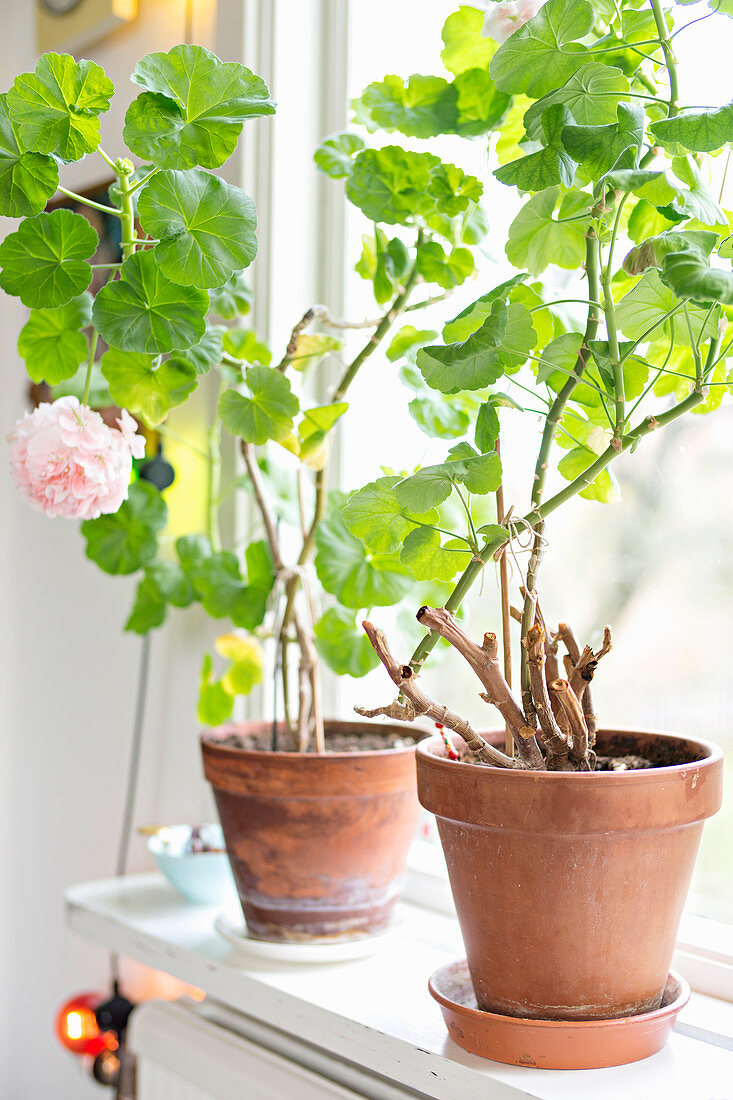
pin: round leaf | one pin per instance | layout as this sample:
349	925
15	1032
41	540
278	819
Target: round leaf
193	109
206	227
343	646
351	574
143	311
126	540
231	300
56	108
44	261
135	383
267	413
51	343
27	180
545	52
247	663
427	560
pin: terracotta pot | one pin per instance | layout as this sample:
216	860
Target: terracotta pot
317	842
569	887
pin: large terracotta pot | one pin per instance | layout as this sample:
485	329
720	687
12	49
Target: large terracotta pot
569	887
317	842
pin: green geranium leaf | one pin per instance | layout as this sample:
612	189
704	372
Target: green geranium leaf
451	190
698	131
549	165
448	270
697	202
431	485
591	95
537	239
311	347
243	343
487	427
545	52
192	550
646	304
215	703
206	227
474	315
434	416
603	488
481	106
600	148
427	560
689	274
421	106
45	261
144	311
335	155
27	180
209	350
51	343
375	515
343	646
128	539
652	253
164	582
138	383
345	568
390	184
231	300
56	108
246	663
219	585
470	364
193	109
318	422
465	46
268	411
407	339
559	359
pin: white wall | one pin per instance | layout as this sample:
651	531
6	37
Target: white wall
68	682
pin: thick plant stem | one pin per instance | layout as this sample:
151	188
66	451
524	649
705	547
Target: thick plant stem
669	58
418	703
127	216
90	366
484	661
506	619
582	481
593	273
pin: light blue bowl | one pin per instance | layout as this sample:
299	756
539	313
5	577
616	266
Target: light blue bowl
204	878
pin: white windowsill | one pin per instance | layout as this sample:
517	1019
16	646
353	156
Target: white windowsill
376	1014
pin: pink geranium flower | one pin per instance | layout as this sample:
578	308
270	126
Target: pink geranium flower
66	461
502	20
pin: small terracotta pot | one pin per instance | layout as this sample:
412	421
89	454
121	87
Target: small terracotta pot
317	842
569	887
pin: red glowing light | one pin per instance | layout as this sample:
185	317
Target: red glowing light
77	1028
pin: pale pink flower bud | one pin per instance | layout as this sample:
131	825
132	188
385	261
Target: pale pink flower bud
66	461
502	20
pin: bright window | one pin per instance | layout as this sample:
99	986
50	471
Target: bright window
658	567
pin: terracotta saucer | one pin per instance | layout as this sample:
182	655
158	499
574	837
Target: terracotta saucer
552	1044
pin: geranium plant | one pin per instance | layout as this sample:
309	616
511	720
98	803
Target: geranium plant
186	236
593	134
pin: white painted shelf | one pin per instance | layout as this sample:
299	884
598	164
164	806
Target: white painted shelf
375	1014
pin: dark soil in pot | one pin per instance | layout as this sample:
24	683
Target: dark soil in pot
317	841
569	887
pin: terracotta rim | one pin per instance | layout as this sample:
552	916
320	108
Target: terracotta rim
712	753
212	737
461	1009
